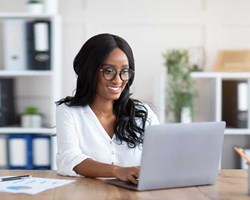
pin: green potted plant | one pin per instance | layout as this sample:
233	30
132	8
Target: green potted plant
35	6
180	86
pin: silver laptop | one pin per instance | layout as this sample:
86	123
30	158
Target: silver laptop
179	155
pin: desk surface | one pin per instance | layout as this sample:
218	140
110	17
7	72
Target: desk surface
231	185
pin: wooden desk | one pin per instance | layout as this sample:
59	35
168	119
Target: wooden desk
231	185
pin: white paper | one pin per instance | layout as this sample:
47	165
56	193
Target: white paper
31	185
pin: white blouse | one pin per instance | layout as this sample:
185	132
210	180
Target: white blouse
80	135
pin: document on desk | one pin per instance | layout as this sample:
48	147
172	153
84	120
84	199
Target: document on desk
31	185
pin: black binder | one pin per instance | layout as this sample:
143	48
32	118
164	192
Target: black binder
7	106
39	45
234	116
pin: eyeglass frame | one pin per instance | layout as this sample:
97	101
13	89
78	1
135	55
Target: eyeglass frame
120	75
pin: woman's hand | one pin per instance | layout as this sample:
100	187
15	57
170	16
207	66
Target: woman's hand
127	173
92	168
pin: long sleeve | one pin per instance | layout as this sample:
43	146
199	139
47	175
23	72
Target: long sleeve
69	152
153	119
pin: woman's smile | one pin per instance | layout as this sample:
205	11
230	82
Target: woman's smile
115	89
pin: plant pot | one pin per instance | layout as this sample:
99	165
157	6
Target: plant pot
31	121
186	115
35	8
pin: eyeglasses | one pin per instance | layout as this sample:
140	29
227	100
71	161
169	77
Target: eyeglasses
125	74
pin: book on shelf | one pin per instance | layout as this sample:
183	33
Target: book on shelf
14	44
19	151
29	151
3	152
26	44
7	104
242	104
235	103
38	40
41	152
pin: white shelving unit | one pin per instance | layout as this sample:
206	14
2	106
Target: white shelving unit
39	88
208	107
215	94
18	130
47	80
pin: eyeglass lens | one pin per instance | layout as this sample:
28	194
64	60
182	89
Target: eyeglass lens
125	74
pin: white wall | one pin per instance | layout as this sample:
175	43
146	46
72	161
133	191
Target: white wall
151	27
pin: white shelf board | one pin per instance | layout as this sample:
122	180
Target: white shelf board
237	131
20	130
24	15
11	73
222	75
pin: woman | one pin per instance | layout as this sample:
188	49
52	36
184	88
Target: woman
100	129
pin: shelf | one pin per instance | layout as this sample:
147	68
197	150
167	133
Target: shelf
36	88
221	75
24	15
17	130
9	73
214	96
237	131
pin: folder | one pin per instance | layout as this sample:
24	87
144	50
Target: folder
3	151
14	44
39	45
41	152
235	103
242	96
20	151
7	105
242	104
29	151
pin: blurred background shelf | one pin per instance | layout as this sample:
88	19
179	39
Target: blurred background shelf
30	66
225	96
5	73
20	130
